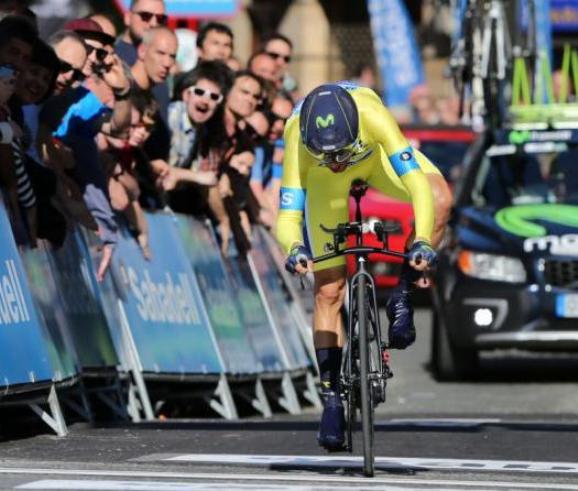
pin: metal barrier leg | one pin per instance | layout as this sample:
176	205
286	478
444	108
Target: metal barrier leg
222	401
137	388
289	400
81	408
257	397
260	402
54	419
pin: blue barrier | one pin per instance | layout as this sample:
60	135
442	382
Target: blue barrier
73	273
48	300
24	358
279	302
163	304
206	260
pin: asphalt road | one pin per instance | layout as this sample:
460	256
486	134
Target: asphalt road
515	429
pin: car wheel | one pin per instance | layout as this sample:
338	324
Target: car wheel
449	361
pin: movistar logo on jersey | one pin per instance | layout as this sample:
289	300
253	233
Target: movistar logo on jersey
519	220
329	120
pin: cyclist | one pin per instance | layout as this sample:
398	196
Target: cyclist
342	132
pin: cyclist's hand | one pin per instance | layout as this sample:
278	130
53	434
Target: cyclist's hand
421	256
298	261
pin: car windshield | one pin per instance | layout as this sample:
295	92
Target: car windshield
527	179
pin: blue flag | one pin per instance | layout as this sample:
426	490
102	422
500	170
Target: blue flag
396	50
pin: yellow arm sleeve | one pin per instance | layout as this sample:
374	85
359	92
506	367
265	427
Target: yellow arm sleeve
289	229
422	200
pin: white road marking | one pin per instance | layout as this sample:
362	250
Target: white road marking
261	479
380	462
78	485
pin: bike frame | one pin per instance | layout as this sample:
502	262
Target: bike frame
366	379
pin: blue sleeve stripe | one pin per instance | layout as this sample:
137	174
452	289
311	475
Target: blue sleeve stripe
403	161
292	199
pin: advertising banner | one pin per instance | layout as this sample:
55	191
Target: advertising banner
72	270
195	8
48	299
226	321
280	303
396	50
24	356
253	314
163	304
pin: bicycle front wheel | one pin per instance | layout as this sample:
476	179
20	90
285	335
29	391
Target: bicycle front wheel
367	406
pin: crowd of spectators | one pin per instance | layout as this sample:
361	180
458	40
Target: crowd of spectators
97	126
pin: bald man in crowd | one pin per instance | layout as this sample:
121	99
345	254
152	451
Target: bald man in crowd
156	57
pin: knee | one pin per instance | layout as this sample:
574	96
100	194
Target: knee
330	294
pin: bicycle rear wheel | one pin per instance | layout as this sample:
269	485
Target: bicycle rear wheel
367	406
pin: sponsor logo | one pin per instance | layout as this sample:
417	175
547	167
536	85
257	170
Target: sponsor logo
287	199
329	120
405	156
517	137
13	309
166	301
519	220
561	245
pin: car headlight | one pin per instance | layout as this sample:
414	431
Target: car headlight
491	267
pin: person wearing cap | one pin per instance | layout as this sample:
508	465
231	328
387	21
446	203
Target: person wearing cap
340	133
86	117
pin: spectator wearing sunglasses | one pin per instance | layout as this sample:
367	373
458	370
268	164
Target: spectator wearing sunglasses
197	145
36	85
141	16
71	52
85	118
280	49
215	42
96	41
267	172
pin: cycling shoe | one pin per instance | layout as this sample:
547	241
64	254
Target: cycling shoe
399	311
331	434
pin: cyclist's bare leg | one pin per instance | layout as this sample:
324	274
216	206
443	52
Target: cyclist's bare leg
329	294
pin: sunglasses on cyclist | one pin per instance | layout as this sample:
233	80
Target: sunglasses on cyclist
207	94
77	75
275	56
339	156
101	54
147	17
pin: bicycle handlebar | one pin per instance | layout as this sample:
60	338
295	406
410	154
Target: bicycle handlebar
359	250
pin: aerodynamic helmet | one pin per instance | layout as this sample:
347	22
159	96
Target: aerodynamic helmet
329	124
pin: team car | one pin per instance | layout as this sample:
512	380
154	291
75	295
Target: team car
508	276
